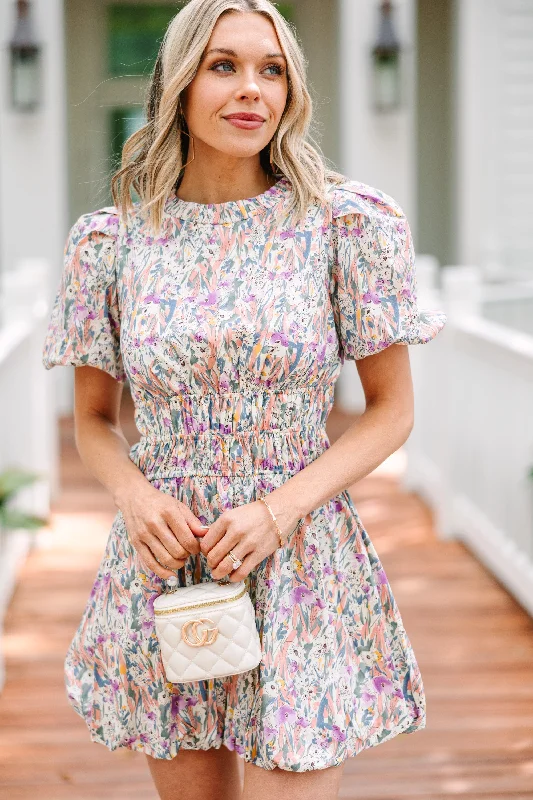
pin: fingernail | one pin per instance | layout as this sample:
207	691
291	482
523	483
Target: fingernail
204	526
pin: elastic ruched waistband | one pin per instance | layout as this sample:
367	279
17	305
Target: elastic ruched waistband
232	434
266	452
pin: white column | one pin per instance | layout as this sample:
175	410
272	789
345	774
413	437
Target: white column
471	133
33	201
377	149
33	148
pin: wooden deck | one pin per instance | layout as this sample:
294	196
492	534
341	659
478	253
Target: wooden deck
473	642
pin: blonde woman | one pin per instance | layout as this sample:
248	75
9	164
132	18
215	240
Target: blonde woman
230	293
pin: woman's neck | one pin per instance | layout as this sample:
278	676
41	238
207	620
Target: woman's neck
220	180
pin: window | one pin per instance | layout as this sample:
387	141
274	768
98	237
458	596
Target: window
135	33
123	122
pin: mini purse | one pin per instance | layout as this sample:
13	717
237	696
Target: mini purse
207	630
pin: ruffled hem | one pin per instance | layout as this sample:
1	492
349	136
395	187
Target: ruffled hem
246	753
56	359
423	330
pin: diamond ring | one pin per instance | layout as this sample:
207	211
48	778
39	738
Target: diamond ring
236	561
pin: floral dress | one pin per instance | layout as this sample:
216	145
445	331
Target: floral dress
231	328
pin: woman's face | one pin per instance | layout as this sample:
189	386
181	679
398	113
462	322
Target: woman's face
237	97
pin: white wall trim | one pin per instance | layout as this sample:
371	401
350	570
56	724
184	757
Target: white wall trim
496	551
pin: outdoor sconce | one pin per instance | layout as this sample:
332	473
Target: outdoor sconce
25	62
386	63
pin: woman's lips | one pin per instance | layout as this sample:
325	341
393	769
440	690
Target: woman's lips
246	121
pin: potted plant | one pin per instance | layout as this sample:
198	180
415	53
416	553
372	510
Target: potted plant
12	481
13	521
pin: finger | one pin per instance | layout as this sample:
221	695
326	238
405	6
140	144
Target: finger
197	527
235	575
151	564
215	533
225	563
177	523
220	550
162	555
169	541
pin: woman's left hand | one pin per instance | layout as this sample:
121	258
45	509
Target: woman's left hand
249	532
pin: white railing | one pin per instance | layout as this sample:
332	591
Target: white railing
28	437
471	450
510	305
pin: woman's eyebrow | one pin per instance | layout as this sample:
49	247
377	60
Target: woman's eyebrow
222	50
228	52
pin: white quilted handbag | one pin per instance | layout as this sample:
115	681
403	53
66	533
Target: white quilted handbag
207	630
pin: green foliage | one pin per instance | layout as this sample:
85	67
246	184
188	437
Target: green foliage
286	10
11	482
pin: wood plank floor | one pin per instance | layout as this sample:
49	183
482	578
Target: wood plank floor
473	642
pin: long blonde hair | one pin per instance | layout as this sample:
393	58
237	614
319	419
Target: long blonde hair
153	157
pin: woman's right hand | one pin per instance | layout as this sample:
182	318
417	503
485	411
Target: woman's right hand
161	529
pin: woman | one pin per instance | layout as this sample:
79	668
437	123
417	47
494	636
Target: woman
230	295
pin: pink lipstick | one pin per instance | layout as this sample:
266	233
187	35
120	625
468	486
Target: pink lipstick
245	120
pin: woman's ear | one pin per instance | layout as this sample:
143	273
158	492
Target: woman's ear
184	100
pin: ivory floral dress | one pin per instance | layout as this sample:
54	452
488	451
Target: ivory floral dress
232	327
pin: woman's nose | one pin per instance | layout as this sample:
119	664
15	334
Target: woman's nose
249	89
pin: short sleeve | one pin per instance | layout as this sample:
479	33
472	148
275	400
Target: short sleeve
373	282
84	325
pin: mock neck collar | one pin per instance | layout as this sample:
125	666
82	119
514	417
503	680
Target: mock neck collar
230	211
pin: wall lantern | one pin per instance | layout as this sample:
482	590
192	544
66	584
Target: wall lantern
386	63
25	62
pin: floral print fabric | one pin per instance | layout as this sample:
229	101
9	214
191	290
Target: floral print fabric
231	327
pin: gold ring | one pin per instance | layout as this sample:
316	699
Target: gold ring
236	561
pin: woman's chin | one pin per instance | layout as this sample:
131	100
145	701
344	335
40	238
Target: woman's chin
244	145
238	154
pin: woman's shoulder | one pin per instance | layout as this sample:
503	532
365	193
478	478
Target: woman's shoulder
347	196
101	221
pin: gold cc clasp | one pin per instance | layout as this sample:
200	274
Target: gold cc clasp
189	632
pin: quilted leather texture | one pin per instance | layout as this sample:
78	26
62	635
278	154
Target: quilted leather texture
197	593
237	646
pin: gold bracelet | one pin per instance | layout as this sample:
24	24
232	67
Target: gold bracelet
281	542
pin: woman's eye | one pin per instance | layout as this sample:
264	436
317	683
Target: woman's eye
277	69
227	64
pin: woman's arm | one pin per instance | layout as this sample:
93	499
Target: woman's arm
382	428
157	524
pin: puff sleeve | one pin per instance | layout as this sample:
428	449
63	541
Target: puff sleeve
373	281
84	325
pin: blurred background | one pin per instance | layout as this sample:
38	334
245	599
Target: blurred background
430	101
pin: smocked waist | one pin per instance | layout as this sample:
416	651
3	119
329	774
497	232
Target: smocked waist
232	412
245	454
235	434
